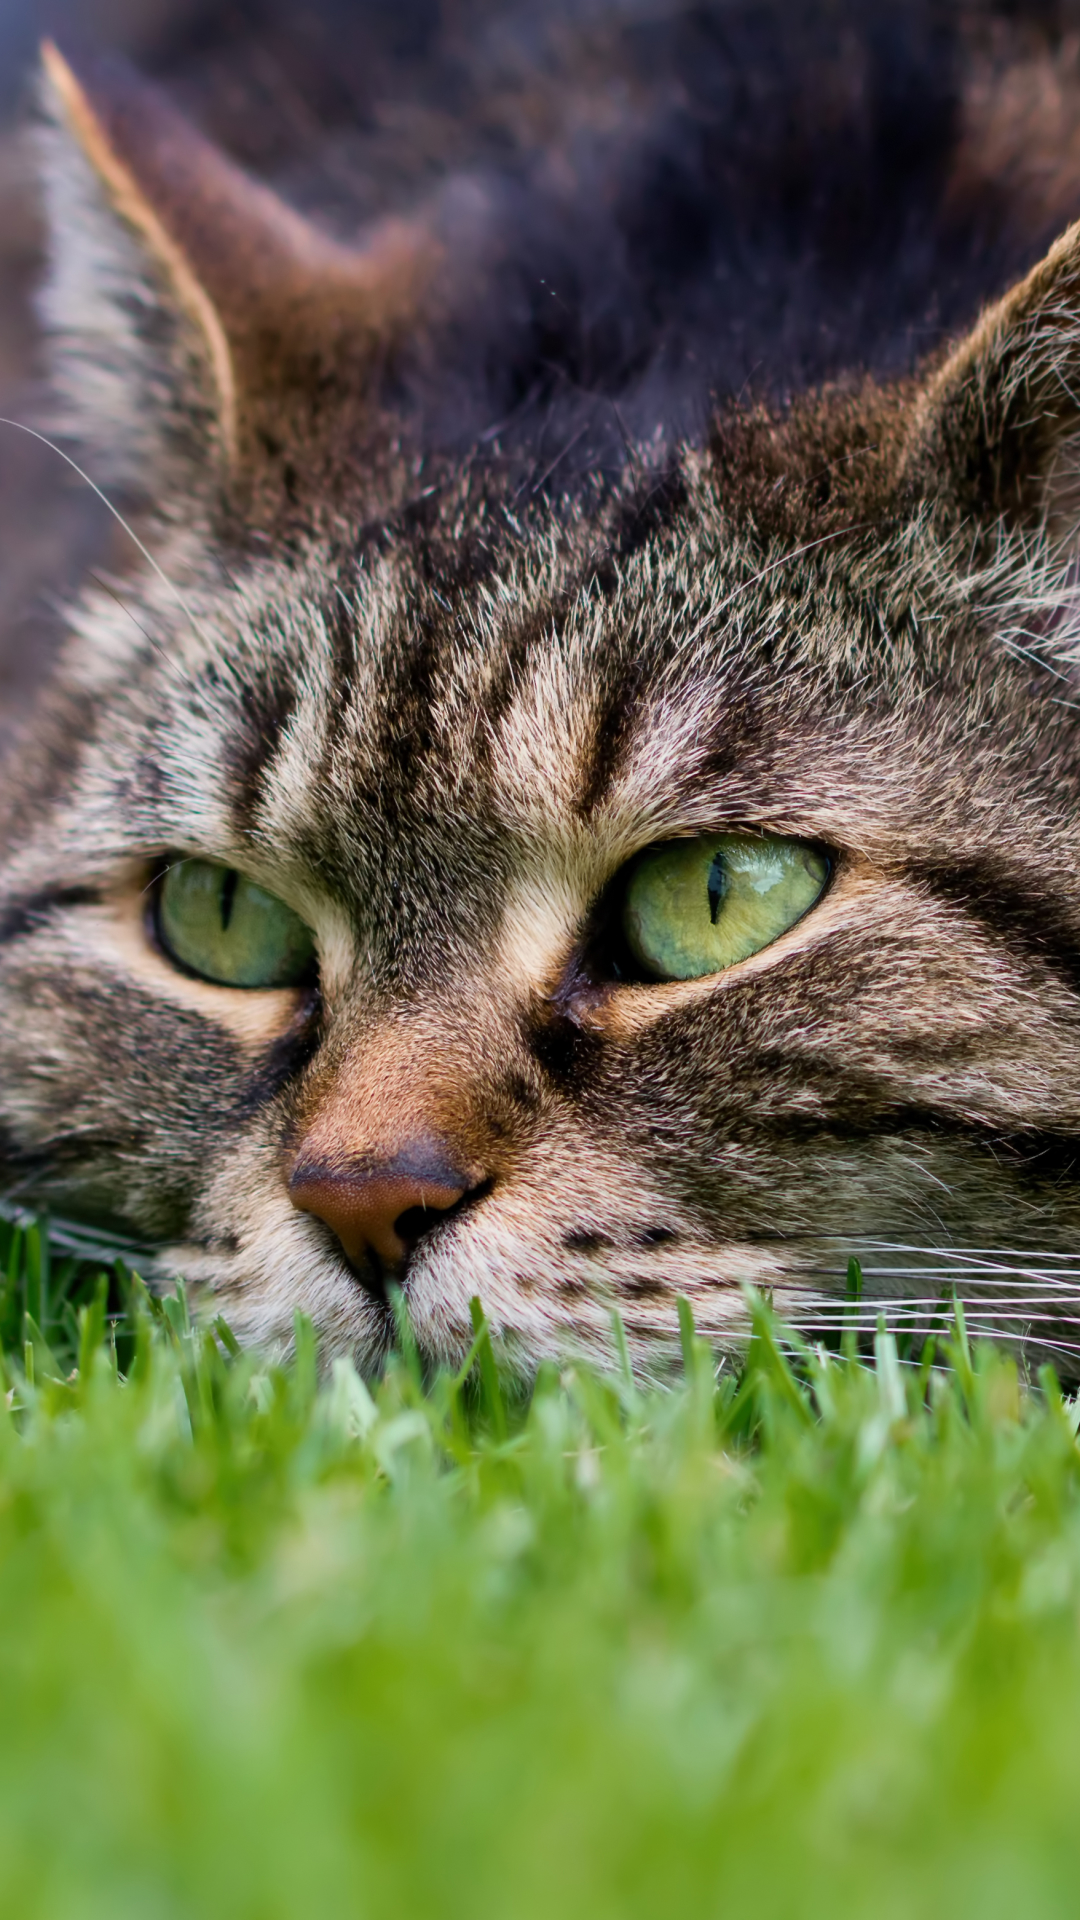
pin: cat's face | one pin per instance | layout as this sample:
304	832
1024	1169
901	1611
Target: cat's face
446	747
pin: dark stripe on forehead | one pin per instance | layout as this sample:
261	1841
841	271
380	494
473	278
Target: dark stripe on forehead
265	705
615	719
529	635
644	518
406	735
411	650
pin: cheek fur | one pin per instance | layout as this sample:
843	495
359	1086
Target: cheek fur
435	704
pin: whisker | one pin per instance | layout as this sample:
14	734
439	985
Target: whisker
784	560
1047	1284
845	1314
1020	1297
851	1245
21	427
172	665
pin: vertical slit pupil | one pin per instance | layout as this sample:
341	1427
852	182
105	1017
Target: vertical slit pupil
717	886
228	896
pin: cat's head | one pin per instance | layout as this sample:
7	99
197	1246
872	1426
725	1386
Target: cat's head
420	878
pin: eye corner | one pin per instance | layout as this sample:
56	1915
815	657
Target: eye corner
150	896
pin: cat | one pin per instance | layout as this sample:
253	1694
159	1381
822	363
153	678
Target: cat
576	800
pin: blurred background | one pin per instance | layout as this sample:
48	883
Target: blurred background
274	83
672	201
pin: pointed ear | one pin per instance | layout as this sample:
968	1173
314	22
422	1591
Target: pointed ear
213	349
995	432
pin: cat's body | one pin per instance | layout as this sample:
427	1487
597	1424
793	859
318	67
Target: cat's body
441	643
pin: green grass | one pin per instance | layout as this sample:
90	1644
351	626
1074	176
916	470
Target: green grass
805	1644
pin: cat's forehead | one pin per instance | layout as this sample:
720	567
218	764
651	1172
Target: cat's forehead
539	683
557	625
543	691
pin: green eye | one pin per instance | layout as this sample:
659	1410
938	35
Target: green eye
226	929
694	907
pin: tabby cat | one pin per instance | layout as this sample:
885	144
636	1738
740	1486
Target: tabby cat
585	856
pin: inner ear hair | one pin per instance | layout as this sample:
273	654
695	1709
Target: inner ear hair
292	330
993	434
163	250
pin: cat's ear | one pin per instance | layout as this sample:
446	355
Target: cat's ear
210	346
994	434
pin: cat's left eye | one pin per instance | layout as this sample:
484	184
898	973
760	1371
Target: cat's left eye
695	907
215	923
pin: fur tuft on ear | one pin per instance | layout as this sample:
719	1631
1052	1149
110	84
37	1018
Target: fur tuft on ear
212	347
995	434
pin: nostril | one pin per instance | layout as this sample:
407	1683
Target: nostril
412	1225
379	1208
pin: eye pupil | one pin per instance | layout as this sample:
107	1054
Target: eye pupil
718	886
228	896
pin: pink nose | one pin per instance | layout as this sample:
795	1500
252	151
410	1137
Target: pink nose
382	1208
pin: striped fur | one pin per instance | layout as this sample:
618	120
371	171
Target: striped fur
436	711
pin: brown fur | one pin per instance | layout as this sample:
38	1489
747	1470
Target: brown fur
436	700
291	329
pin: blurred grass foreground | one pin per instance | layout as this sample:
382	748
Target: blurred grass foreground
273	1644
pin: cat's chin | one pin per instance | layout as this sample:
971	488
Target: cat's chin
588	867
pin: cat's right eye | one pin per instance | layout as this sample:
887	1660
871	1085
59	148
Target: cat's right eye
698	906
213	922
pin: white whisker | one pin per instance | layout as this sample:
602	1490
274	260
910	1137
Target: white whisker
951	1281
784	560
148	637
21	427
